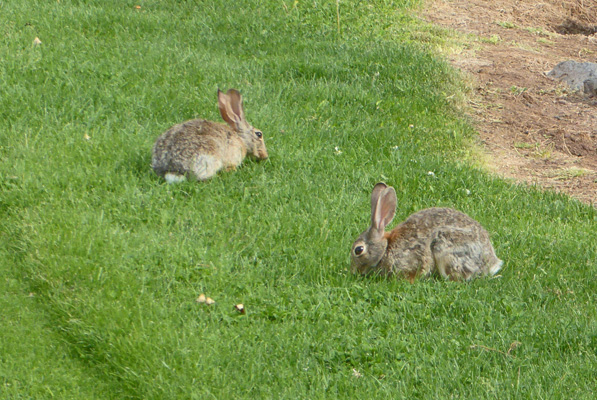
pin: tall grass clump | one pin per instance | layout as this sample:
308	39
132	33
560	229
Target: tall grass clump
103	261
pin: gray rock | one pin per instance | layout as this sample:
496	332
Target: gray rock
579	76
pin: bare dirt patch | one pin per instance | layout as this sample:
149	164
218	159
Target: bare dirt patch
535	129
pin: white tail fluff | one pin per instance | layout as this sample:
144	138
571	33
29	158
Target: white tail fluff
496	267
174	178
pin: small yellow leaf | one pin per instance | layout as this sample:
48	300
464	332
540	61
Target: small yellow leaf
201	298
36	41
209	301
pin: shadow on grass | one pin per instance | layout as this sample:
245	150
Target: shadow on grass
139	165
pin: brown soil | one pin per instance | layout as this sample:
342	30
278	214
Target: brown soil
535	129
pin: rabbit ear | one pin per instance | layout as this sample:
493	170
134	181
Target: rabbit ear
377	189
236	102
382	213
231	108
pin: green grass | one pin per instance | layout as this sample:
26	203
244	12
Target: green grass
103	261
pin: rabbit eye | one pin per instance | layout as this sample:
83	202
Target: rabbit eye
359	250
259	134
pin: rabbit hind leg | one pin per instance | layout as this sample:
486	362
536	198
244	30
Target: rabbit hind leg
206	166
458	263
457	254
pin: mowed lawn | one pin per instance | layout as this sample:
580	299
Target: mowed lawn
102	261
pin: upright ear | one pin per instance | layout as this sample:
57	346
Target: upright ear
231	107
377	189
236	102
383	211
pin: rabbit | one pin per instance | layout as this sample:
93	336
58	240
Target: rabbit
198	149
434	240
